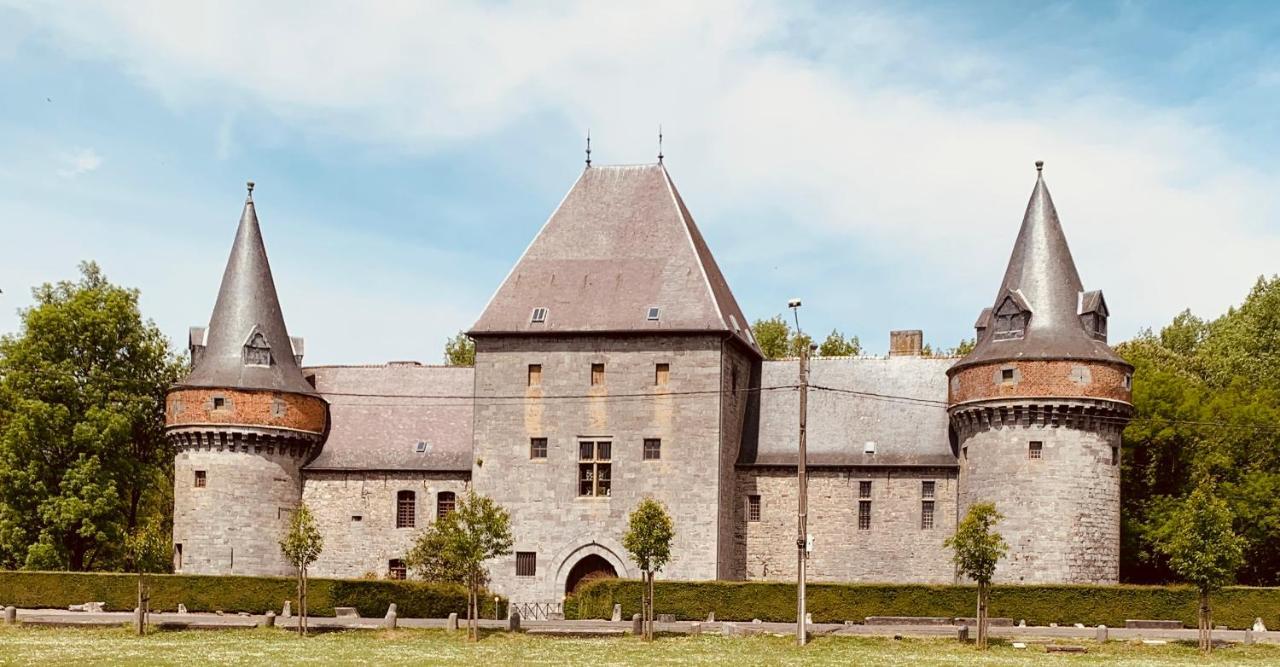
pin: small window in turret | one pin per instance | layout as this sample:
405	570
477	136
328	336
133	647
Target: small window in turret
256	351
201	479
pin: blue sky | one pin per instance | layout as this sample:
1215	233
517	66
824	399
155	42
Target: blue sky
873	160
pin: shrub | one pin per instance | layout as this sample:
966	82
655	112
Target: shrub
414	599
834	603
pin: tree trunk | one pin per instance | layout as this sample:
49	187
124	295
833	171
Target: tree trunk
982	616
302	603
299	596
142	626
1206	621
653	611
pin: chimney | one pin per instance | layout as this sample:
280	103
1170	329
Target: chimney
906	343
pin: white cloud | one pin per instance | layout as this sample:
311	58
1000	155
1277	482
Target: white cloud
78	162
861	127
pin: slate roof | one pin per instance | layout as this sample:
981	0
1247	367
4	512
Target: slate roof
1042	277
247	304
380	432
905	433
621	242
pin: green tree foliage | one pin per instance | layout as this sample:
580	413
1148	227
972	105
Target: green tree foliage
1207	396
976	549
455	548
836	345
83	459
648	540
773	336
1202	548
301	546
460	350
147	546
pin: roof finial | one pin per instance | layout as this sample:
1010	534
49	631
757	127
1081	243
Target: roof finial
249	184
659	143
1039	166
588	147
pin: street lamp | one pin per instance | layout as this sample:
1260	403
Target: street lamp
802	479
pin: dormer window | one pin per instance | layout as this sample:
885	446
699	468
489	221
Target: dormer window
653	314
256	350
539	315
1093	314
1010	318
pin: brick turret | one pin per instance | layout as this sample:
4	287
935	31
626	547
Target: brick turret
1038	408
244	421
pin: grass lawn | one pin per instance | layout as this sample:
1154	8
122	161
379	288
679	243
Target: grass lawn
48	646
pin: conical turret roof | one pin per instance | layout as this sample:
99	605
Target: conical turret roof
1041	278
247	314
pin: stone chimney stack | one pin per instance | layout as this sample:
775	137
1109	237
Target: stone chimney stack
907	343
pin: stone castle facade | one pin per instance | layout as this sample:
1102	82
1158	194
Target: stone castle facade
612	364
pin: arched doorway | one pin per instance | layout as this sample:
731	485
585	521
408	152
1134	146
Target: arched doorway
589	568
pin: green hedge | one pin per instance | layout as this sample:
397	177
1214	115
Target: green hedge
1235	607
414	599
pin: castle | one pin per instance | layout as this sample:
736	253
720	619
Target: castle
612	364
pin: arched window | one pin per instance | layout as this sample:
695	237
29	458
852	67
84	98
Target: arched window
445	502
406	509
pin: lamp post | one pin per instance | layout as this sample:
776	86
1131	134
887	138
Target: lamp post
802	479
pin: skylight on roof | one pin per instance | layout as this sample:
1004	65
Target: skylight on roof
539	315
653	313
422	447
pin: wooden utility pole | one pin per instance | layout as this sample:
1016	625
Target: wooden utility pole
802	479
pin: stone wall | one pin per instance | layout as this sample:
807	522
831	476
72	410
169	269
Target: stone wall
736	381
1062	510
195	406
894	549
233	525
549	518
1056	378
359	547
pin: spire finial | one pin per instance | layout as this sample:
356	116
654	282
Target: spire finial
249	184
588	147
659	143
1039	166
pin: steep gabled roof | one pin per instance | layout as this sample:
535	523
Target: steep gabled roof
1043	277
247	302
621	243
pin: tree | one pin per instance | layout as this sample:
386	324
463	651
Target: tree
1203	549
977	550
83	458
301	547
773	336
836	345
455	548
147	546
460	350
778	341
963	348
648	540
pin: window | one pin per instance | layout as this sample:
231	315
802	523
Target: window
396	569
1035	449
256	351
964	452
406	509
445	502
1115	456
1128	381
539	315
420	447
219	403
1006	375
594	469
177	556
652	449
753	508
526	563
864	489
869	447
864	514
653	313
356	518
597	374
926	515
202	479
926	489
535	375
537	448
661	374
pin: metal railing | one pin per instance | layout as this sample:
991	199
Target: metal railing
537	611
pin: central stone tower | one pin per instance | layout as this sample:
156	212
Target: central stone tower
1037	409
244	422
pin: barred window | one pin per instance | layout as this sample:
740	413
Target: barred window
594	468
526	563
864	515
537	448
927	489
202	479
753	508
652	449
396	569
926	515
406	509
1035	449
445	502
864	489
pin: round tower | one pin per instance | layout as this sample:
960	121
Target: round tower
1038	407
243	422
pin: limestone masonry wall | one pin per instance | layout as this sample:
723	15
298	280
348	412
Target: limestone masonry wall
894	549
357	547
